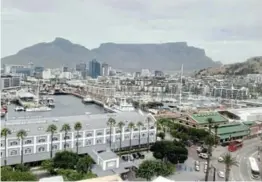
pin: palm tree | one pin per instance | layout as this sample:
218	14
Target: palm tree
52	129
111	123
4	133
21	134
148	122
210	144
120	125
229	161
77	127
131	125
139	125
216	138
66	128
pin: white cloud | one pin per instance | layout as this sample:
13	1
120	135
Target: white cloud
227	30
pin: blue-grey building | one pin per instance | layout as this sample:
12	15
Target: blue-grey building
94	68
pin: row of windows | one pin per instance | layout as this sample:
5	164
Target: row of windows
42	140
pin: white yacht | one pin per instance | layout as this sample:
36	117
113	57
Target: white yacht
87	99
123	105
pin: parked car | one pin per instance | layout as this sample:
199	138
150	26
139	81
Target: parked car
203	155
197	163
124	157
197	168
135	156
220	159
221	174
199	149
141	156
131	158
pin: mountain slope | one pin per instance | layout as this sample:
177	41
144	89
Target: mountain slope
167	56
250	66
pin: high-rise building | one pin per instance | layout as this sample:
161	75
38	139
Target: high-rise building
159	73
105	69
10	81
65	69
82	68
94	68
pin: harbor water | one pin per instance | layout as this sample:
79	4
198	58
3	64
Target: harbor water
65	105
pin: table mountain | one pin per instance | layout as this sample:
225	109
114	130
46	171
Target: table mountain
166	56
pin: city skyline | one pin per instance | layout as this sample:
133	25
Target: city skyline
230	33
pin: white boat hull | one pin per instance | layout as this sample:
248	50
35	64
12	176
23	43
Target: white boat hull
40	109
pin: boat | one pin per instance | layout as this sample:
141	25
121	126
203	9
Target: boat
51	104
87	99
38	109
123	106
19	108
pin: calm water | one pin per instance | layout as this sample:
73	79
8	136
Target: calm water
65	105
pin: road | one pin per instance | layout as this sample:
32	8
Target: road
241	172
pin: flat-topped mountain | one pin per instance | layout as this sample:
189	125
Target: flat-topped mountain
166	56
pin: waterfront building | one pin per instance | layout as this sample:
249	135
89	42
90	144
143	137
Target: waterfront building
10	81
11	68
93	137
230	93
94	68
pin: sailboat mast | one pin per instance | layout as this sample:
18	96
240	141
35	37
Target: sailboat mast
180	91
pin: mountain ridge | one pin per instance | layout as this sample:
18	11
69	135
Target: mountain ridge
164	56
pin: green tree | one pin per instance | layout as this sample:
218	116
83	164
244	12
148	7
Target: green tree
229	161
21	134
146	170
77	127
52	129
173	152
70	175
148	127
161	135
21	168
111	123
139	125
48	165
65	128
4	133
163	168
65	160
131	125
8	174
120	125
84	164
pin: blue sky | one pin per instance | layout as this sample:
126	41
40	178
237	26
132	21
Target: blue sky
229	30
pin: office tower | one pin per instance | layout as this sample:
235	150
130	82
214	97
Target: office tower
94	68
105	69
82	68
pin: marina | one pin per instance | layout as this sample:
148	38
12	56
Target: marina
66	105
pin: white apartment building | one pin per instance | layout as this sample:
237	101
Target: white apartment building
95	135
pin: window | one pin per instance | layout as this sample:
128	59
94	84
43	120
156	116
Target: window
99	133
117	138
135	129
41	149
66	145
28	151
152	127
108	132
1	154
13	143
28	141
78	136
126	137
151	134
54	147
127	130
89	134
118	131
66	137
135	136
78	143
144	128
42	140
54	139
40	128
99	141
143	135
13	152
88	142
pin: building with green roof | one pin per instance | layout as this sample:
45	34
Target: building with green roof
232	130
202	118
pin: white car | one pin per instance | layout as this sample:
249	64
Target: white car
199	149
221	174
220	159
203	155
197	168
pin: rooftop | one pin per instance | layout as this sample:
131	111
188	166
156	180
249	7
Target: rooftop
202	118
107	155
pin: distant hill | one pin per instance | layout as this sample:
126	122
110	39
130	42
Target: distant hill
166	56
250	66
